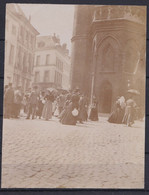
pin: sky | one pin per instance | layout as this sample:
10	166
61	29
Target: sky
49	19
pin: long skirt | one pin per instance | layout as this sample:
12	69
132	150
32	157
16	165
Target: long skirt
83	114
47	110
67	118
93	114
116	116
40	109
128	116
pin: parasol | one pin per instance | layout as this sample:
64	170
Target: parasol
133	91
52	90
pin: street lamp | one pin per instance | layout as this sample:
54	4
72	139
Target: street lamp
92	87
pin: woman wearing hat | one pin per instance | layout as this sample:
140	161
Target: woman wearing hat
70	114
94	110
47	109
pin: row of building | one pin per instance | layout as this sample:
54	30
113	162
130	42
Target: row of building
31	59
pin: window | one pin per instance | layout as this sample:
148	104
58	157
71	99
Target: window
30	63
37	60
47	59
27	84
13	29
37	77
55	77
11	55
24	59
32	41
19	57
41	44
27	36
21	32
59	64
46	76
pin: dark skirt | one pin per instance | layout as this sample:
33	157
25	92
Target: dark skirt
116	116
128	116
67	118
93	114
82	114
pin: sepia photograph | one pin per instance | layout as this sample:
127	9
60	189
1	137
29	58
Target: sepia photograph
74	96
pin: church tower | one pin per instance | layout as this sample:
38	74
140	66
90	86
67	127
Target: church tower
108	52
80	45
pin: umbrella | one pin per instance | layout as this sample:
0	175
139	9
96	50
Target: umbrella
134	91
52	90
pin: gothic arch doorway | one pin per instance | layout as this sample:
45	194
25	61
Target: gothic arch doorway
105	97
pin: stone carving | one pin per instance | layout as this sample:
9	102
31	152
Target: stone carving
134	13
106	55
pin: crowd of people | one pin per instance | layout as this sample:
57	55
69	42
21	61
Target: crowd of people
69	106
125	111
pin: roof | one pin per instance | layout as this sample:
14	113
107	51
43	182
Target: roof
49	41
18	13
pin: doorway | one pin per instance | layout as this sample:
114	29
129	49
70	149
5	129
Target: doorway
105	97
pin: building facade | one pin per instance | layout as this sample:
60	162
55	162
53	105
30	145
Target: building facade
108	52
52	63
20	38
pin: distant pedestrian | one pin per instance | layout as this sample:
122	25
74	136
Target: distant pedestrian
47	109
118	111
9	100
129	112
70	115
33	102
41	102
82	109
17	102
94	110
60	102
4	108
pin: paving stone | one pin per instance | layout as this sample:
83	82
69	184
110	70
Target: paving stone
39	154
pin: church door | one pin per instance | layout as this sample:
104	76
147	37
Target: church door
105	98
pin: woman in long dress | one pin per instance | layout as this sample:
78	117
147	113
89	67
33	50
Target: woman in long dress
113	118
41	102
66	104
117	114
68	117
129	112
47	109
82	109
94	111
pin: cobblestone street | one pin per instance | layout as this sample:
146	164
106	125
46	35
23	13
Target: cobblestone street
47	154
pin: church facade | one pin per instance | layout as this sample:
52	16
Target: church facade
108	52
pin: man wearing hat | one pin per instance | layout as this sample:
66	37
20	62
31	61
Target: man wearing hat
33	102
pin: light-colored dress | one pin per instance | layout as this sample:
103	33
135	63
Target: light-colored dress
47	109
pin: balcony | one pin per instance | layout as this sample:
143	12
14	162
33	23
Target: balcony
133	13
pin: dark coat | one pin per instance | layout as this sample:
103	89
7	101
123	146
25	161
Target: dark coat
9	96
